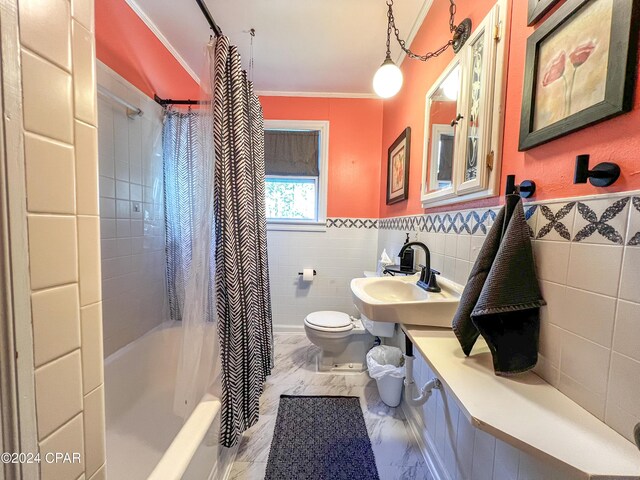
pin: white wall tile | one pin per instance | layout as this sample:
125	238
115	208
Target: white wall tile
68	439
506	462
589	400
84	74
588	314
83	12
624	385
630	275
94	427
44	101
86	169
463	247
45	29
627	330
92	350
621	421
483	456
552	260
101	474
595	267
89	258
133	261
56	322
464	448
50	175
53	257
58	392
585	361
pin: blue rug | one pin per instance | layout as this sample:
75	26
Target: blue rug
320	438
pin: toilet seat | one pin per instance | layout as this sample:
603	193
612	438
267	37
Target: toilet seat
329	321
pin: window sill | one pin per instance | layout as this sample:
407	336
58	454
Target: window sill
293	226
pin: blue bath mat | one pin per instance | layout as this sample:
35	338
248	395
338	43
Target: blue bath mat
320	438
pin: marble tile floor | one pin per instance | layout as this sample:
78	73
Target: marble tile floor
397	454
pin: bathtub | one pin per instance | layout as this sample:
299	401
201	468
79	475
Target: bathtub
145	438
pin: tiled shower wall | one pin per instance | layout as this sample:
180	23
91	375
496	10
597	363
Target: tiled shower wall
131	214
587	255
60	147
340	253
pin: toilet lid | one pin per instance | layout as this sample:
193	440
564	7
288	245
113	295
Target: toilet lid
328	319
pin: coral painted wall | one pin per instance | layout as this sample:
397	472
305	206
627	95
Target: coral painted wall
354	147
550	165
126	45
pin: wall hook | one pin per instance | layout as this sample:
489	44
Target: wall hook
526	189
602	175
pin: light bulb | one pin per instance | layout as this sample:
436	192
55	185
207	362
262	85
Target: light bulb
388	79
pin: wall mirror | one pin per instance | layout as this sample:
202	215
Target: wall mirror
443	112
463	119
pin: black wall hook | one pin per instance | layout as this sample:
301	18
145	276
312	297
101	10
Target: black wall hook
602	175
526	189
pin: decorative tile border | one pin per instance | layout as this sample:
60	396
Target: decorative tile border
602	220
367	223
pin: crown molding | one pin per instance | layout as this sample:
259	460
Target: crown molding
267	93
156	31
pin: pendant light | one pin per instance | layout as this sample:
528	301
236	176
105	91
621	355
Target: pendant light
388	79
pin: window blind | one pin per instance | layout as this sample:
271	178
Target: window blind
291	152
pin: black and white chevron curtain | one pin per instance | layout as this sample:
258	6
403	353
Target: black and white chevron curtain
216	243
242	278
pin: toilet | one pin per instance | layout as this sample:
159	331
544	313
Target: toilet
343	340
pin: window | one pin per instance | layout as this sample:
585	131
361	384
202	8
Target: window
296	174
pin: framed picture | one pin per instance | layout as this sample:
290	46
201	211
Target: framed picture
398	168
580	69
538	9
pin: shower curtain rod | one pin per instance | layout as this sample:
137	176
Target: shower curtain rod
218	32
207	14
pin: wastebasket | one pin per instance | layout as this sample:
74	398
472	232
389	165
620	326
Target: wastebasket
386	367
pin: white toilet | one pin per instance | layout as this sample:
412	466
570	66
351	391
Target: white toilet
344	340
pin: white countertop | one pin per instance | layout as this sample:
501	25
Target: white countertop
525	411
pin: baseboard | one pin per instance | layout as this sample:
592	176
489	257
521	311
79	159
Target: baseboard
280	328
427	447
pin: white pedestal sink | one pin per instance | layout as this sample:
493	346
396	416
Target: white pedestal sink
400	300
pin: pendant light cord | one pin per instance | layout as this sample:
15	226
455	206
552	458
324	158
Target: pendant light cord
391	27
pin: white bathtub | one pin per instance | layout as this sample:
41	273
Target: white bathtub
145	438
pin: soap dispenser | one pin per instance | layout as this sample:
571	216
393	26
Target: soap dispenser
406	261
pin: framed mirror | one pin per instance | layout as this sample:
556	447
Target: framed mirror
442	119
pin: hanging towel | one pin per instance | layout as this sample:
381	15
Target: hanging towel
502	298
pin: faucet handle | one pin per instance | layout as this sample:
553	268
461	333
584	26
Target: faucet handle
433	270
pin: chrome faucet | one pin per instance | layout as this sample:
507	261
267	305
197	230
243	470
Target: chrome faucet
428	279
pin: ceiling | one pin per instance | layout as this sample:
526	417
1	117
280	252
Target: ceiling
301	46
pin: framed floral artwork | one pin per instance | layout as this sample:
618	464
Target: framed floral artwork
538	9
580	69
398	168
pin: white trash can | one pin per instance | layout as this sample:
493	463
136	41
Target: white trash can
386	367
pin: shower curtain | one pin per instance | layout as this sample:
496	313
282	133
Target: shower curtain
190	243
242	280
218	279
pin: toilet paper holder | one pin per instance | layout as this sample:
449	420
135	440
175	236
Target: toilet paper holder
314	272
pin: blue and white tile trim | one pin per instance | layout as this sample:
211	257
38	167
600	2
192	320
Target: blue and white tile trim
367	223
613	219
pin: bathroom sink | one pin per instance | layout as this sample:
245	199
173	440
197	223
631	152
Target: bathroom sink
400	300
